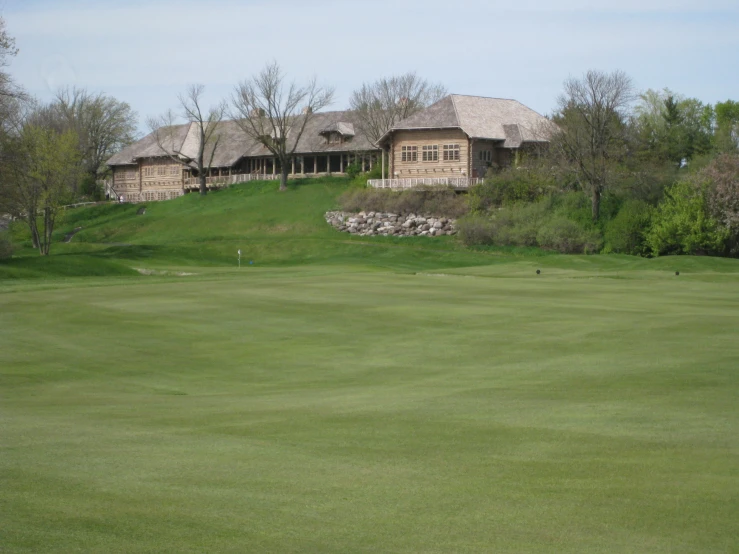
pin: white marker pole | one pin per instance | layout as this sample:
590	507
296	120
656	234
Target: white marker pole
239	257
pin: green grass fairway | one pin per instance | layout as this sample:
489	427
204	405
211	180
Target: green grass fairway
348	395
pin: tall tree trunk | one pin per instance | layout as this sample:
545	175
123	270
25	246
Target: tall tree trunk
283	176
33	227
203	185
595	203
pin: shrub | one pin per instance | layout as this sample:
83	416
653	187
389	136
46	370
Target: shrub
353	170
91	189
529	225
477	229
566	236
626	233
511	186
6	247
433	201
681	224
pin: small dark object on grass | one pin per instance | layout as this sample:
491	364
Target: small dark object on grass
141	211
538	271
677	273
251	262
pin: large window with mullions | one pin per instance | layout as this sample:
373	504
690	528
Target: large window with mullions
409	154
431	153
451	152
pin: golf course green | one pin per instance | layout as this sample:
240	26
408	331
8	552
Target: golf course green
346	394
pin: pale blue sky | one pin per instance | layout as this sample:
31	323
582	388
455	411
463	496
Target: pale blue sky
145	52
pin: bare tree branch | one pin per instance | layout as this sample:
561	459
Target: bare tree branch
207	126
591	116
275	114
381	104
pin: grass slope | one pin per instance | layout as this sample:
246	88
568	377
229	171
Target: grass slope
360	395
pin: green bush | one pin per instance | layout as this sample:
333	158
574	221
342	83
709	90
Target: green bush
532	224
6	247
511	186
626	232
353	170
567	237
477	229
432	201
91	189
682	224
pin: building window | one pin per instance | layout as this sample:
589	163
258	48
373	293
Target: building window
161	170
409	153
451	152
131	174
486	156
431	153
148	171
174	170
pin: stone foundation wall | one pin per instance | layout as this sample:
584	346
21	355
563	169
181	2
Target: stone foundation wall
389	224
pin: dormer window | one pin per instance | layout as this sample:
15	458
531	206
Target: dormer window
338	133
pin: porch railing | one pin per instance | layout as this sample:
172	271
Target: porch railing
414	182
225	180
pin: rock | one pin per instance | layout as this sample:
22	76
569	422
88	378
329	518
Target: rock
365	224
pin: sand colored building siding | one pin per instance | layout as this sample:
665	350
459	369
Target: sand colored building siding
429	153
126	179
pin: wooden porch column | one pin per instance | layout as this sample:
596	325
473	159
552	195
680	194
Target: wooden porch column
341	163
328	164
383	164
315	164
293	160
274	166
363	164
302	165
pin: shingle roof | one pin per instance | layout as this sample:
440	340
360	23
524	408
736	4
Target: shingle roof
235	144
147	147
481	118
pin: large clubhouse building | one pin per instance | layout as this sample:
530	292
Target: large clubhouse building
457	137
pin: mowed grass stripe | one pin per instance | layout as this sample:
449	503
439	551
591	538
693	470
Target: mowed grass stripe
338	411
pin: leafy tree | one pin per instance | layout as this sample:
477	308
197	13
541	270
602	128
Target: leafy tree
727	126
41	168
382	103
207	126
275	114
722	176
10	92
591	140
103	125
671	128
682	223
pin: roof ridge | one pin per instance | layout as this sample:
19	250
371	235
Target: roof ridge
487	97
456	112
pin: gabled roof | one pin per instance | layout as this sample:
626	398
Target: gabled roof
234	144
147	147
481	118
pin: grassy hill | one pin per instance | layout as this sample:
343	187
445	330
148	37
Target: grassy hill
275	229
350	394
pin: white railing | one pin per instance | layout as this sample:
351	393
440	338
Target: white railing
414	182
225	180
